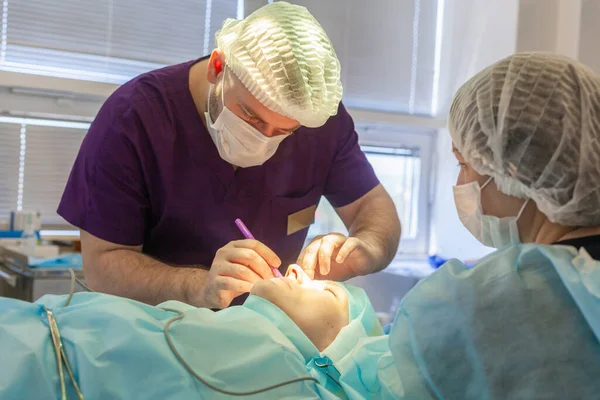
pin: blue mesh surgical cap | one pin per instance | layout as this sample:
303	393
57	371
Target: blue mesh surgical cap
532	122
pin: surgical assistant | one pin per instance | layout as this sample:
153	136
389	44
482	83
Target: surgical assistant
524	322
257	132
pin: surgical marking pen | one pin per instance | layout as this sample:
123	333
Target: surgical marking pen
246	232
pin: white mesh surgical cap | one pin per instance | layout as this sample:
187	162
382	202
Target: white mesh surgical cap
532	121
284	58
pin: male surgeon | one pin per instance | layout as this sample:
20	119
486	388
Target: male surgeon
256	131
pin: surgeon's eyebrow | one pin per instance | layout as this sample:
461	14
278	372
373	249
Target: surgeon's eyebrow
251	113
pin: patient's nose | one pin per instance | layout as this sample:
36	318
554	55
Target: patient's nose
295	272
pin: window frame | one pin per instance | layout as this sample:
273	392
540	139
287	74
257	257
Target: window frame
411	137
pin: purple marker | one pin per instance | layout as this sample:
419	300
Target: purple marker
246	232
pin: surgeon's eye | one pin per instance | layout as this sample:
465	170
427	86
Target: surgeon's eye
248	116
253	119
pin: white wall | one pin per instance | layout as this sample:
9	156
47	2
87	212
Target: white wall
550	26
535	33
476	34
589	53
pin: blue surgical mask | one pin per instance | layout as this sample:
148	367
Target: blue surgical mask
489	230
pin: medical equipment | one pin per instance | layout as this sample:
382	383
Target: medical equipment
19	220
28	224
285	59
61	358
29	278
29	237
248	235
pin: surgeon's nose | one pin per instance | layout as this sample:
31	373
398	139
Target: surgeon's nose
296	272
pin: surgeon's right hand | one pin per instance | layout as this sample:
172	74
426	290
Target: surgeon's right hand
237	266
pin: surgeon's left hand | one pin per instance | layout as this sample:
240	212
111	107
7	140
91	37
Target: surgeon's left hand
335	256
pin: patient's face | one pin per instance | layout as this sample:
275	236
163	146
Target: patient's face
319	308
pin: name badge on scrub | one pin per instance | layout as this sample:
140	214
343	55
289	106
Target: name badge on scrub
301	219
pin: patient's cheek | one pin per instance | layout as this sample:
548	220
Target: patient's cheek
265	290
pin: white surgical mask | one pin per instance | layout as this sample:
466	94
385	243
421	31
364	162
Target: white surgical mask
238	142
489	230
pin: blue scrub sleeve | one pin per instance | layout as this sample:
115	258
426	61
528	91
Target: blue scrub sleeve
106	194
350	175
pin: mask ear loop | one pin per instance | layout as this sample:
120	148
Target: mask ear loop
486	183
222	97
223	87
522	209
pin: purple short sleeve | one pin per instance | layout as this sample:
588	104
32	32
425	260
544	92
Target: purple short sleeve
350	176
105	194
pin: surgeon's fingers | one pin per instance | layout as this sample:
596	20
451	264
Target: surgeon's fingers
253	261
228	288
328	245
347	248
300	259
240	271
308	258
237	286
266	253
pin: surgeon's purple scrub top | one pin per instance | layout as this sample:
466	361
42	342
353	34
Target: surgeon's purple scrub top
149	174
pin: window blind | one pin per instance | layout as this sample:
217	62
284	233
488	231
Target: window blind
107	40
387	49
10	145
49	156
36	157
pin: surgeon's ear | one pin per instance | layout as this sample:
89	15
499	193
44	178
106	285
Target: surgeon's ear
215	66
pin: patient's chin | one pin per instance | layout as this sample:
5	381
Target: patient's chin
261	289
268	289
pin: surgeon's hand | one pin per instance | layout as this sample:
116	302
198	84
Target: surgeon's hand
237	266
326	253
